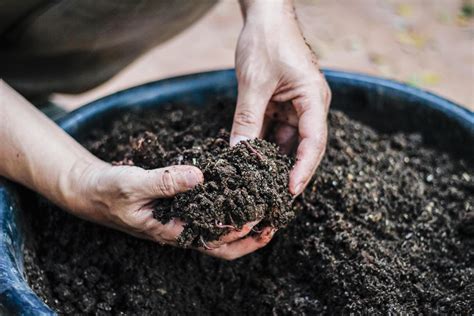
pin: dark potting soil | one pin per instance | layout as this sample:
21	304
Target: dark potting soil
386	225
245	183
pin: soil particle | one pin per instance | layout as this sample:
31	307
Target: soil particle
385	226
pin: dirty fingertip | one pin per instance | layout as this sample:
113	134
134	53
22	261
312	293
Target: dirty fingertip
266	235
193	176
297	182
298	189
235	139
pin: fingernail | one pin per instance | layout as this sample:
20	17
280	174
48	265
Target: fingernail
234	140
299	188
192	179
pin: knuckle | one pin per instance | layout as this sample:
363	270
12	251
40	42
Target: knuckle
248	74
166	185
120	191
245	117
123	192
115	186
302	105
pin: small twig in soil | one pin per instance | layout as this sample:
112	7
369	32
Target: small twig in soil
253	150
220	225
205	245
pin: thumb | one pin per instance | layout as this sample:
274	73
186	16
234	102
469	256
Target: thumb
169	181
249	114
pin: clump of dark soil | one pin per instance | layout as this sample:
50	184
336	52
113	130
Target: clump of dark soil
242	184
245	183
385	226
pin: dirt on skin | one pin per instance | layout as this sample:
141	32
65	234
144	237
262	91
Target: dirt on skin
386	225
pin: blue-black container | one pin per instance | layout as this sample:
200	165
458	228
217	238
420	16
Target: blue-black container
385	105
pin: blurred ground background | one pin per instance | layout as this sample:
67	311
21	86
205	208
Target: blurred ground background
426	43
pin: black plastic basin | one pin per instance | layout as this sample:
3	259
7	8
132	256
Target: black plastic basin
383	104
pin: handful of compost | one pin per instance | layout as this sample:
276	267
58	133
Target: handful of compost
242	184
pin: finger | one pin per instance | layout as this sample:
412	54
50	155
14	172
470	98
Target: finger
249	114
267	234
285	95
233	235
153	230
167	233
313	133
286	137
167	182
241	247
146	226
308	157
283	87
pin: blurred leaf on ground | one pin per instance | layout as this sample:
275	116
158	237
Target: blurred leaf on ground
428	78
404	10
411	38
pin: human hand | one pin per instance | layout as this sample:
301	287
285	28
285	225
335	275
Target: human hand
122	197
280	83
116	196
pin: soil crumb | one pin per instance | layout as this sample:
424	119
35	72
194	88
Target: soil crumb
385	226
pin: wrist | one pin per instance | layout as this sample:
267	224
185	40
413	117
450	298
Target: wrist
267	10
77	188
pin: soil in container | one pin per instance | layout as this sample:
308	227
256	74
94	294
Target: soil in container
385	225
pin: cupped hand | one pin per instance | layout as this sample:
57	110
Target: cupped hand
122	197
281	90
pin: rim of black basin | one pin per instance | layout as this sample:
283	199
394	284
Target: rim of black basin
373	96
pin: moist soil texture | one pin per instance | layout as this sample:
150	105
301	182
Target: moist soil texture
245	183
385	226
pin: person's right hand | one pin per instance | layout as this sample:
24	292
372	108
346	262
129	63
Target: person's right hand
121	197
282	93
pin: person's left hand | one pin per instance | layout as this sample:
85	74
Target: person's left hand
122	197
